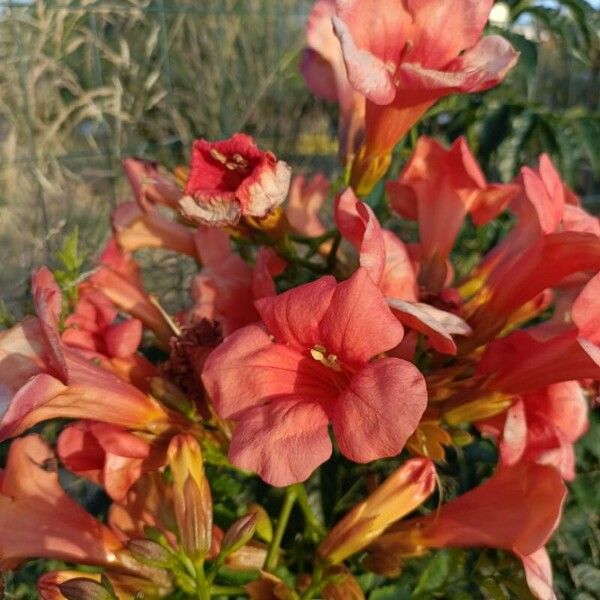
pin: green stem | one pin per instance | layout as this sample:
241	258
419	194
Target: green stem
312	523
202	586
222	590
315	586
291	494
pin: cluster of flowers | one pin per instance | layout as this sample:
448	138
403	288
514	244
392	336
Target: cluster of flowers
373	347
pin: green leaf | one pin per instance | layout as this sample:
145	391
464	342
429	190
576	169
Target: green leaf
588	129
435	574
494	589
528	50
588	576
399	591
510	151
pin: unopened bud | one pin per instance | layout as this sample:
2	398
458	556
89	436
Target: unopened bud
191	496
150	553
383	563
239	534
264	527
82	588
478	410
343	586
461	438
409	486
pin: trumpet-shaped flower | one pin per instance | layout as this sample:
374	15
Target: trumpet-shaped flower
438	188
542	427
325	74
405	55
521	362
107	455
149	185
118	278
42	379
39	520
307	365
515	282
94	331
387	260
135	228
543	205
232	179
227	286
305	200
517	510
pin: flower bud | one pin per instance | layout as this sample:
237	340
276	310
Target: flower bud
239	534
82	588
150	553
264	527
400	494
477	410
191	496
343	585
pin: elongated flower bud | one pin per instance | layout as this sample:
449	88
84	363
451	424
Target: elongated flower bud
191	496
408	487
239	534
82	588
150	553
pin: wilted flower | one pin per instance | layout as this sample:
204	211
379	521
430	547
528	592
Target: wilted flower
232	179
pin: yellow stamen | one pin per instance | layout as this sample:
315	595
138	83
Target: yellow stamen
319	353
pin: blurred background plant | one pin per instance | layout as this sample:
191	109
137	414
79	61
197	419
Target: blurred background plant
85	83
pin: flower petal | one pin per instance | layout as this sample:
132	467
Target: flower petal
367	73
437	325
358	324
480	68
538	573
380	410
359	225
293	317
442	30
248	369
48	306
283	441
39	520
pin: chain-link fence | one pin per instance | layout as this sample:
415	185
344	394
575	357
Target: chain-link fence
86	82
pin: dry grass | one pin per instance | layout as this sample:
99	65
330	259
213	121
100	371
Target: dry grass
84	83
